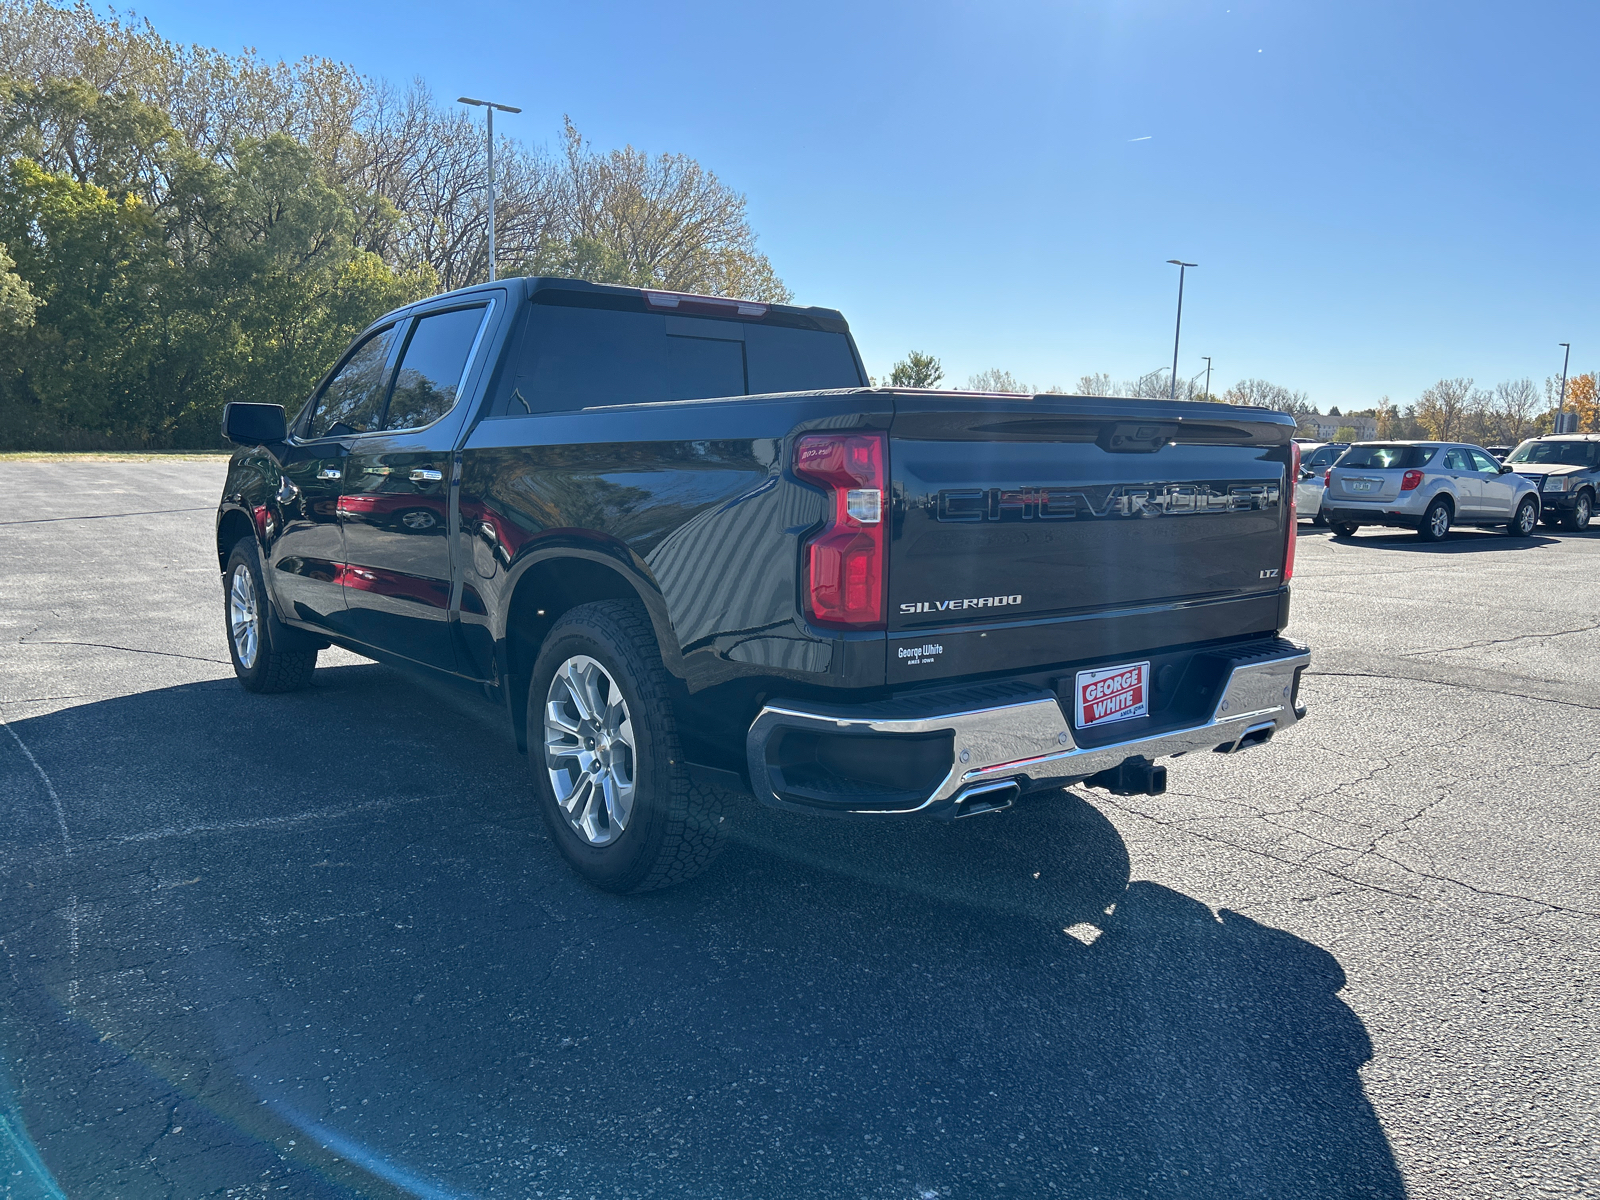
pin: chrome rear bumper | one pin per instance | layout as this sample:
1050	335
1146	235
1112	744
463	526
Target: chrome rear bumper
1023	736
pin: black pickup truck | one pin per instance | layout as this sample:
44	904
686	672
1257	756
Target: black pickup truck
689	552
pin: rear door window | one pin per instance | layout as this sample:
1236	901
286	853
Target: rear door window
432	366
586	358
352	402
1457	460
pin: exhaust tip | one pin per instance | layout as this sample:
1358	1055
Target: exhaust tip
985	798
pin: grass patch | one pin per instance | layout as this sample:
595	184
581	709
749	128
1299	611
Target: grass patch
112	455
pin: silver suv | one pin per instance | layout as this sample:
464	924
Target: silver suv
1427	486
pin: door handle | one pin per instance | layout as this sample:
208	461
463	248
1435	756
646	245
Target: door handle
426	475
330	473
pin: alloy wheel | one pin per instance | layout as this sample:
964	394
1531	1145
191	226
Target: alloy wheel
244	618
589	750
1439	523
1581	511
1527	518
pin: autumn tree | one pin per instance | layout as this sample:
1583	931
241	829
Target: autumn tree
1441	410
1390	423
1582	400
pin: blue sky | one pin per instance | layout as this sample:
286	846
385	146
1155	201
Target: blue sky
1378	193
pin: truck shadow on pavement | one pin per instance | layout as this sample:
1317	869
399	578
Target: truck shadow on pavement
1460	541
317	942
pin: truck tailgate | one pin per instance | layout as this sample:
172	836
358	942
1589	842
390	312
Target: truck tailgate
1071	530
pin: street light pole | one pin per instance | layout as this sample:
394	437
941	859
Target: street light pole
1172	393
1207	357
491	106
1561	404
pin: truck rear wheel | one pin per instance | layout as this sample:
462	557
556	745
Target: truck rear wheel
256	640
603	743
1343	529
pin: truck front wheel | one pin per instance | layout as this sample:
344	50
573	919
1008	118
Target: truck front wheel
611	782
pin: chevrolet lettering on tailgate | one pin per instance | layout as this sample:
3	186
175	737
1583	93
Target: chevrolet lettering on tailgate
1121	500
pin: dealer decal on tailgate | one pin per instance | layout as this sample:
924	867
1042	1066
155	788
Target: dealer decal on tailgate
1113	694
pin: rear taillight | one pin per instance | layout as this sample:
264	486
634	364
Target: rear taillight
1410	481
1327	478
1294	512
844	572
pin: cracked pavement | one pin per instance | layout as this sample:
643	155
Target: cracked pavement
317	945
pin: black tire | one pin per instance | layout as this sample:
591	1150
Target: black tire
1435	525
675	828
1343	529
274	665
1319	521
1577	520
1526	519
1551	521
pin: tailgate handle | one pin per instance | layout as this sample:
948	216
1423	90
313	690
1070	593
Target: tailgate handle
426	475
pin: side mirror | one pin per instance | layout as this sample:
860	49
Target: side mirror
1506	468
254	424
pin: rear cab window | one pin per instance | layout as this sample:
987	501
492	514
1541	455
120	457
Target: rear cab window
569	357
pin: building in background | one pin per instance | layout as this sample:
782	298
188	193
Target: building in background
1327	426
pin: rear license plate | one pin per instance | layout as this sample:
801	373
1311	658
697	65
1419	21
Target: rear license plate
1112	694
1362	485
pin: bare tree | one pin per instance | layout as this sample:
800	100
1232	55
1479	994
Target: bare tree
414	171
1443	409
1096	385
1260	393
996	380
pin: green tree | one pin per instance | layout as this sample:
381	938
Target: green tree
17	301
916	370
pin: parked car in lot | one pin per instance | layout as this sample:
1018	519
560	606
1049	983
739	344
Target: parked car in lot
1565	468
1498	453
687	551
1429	487
1315	459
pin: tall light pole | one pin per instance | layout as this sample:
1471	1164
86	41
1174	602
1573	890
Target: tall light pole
1207	357
491	106
1561	405
1172	393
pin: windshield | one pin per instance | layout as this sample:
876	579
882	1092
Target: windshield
1382	458
1562	454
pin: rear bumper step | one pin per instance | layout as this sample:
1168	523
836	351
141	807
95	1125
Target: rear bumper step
916	755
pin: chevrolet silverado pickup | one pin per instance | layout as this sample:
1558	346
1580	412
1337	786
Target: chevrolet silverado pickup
689	552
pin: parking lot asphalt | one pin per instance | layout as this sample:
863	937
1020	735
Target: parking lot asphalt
318	944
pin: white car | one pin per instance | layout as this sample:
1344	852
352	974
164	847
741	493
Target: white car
1427	486
1315	459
